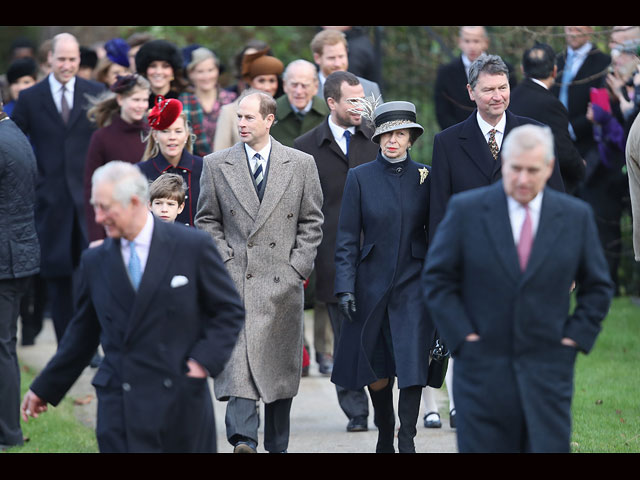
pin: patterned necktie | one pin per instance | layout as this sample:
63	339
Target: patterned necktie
493	145
526	240
258	174
64	106
347	137
134	267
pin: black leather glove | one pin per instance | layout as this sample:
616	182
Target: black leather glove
347	304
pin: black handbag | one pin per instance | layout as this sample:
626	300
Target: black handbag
438	364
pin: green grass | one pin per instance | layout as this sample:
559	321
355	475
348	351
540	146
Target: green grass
55	431
606	403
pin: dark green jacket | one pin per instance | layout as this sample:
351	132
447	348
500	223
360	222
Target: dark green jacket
288	126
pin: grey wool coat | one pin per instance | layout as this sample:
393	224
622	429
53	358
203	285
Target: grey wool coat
269	248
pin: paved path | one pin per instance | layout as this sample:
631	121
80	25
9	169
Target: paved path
317	423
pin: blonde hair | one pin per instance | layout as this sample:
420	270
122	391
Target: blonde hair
153	149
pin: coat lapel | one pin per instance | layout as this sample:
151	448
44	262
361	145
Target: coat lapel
497	223
476	147
160	252
280	173
549	227
237	174
116	276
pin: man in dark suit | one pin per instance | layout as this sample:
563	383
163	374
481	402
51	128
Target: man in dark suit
165	327
581	66
334	156
532	98
452	101
462	155
52	114
498	281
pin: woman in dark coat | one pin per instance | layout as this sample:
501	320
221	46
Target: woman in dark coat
168	150
388	334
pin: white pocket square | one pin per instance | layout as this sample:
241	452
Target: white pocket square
179	281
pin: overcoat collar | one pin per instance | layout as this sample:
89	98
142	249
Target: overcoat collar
236	172
497	224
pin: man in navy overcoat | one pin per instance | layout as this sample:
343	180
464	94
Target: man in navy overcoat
502	303
61	148
161	339
462	158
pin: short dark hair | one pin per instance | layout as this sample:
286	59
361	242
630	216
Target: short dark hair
333	84
538	61
168	185
267	102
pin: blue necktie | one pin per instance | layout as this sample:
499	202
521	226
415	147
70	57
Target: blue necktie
567	78
347	136
134	267
258	174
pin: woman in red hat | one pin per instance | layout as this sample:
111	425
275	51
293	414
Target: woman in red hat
169	150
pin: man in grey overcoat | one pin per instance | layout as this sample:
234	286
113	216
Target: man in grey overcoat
261	201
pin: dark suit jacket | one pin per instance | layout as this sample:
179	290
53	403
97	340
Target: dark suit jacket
61	152
532	100
146	402
591	74
452	101
462	160
333	166
472	283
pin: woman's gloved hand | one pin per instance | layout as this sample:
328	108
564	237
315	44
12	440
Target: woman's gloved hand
347	305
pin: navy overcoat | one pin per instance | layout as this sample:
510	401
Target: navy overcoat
387	206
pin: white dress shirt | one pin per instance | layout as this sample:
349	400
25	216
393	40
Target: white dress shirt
486	127
142	244
264	153
56	91
517	215
338	134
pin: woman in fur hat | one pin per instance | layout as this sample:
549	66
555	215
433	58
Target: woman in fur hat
160	62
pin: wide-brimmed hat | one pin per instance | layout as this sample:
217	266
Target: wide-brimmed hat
259	63
164	112
392	116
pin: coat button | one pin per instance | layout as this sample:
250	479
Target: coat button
399	170
126	387
249	276
233	212
276	279
167	383
272	244
250	245
290	215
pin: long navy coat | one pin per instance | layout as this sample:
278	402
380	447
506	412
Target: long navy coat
513	387
387	205
61	152
186	307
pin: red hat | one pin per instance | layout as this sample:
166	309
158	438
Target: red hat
164	113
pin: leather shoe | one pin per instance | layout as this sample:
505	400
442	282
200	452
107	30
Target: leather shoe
245	446
357	424
432	423
452	418
325	364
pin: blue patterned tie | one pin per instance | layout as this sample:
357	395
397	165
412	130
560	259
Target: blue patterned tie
347	136
257	172
135	270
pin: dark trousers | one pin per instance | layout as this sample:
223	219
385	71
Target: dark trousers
32	309
354	403
60	292
242	420
11	292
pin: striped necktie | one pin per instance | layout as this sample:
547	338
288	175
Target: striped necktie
258	173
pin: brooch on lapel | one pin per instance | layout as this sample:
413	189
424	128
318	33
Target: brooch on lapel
423	174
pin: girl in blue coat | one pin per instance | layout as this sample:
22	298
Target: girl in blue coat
381	246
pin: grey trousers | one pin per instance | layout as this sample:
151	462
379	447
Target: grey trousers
11	292
242	420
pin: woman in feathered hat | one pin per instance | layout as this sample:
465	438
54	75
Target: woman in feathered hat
169	150
386	333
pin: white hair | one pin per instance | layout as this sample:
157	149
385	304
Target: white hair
527	137
127	179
